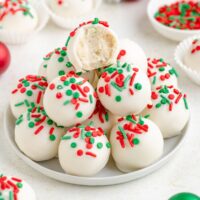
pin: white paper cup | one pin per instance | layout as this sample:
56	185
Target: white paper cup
72	21
180	52
19	38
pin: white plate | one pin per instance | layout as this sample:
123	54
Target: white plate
108	176
168	32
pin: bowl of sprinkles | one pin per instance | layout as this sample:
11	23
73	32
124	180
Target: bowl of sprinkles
175	19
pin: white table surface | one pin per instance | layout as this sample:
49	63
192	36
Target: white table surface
180	174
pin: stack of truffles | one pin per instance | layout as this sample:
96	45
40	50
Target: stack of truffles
97	96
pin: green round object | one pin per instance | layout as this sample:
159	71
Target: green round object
185	196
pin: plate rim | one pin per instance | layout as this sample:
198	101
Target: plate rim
91	181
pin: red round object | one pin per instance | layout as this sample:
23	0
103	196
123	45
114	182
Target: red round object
4	57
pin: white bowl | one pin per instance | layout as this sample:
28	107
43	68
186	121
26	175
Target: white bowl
168	32
180	52
15	39
110	175
71	22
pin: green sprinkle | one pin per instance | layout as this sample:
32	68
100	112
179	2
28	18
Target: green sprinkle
59	87
69	64
52	137
11	196
186	104
107	117
96	21
154	80
67	42
99	145
61	73
31	124
138	86
63	53
61	59
66	102
127	80
66	137
69	92
158	105
122	131
66	83
88	134
141	122
76	95
26	102
19	104
82	134
116	86
26	84
79	114
38	86
49	122
136	141
130	119
147	116
73	145
161	69
19	185
91	98
19	121
72	80
92	140
108	145
118	98
120	71
124	65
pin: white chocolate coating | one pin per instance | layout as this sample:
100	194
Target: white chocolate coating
38	140
123	89
43	67
28	92
102	118
23	19
192	57
161	73
81	158
132	53
59	65
92	45
131	150
22	191
69	100
169	110
70	8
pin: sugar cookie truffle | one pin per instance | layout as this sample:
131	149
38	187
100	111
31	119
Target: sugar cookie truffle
136	143
37	136
28	93
17	16
192	57
13	188
43	67
101	118
123	89
92	45
70	8
132	53
84	151
69	100
59	65
169	110
161	73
